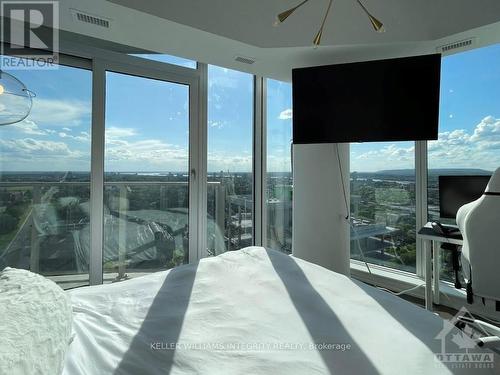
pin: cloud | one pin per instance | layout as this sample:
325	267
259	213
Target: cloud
390	153
115	132
28	148
125	154
83	137
121	151
28	154
54	112
488	128
217	124
286	114
28	127
459	148
45	112
223	78
478	148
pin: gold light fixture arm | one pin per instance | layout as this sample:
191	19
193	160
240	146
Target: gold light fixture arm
377	24
317	38
280	18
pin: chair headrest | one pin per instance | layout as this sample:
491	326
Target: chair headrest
494	184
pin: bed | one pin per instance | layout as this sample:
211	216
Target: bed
253	311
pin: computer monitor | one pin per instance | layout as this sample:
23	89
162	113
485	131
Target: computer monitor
455	191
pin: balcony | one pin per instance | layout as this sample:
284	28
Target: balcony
46	227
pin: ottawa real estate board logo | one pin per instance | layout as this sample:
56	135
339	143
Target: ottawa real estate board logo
30	35
459	348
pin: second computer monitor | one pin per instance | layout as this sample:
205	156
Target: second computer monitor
455	191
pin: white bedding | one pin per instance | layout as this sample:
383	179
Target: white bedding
251	312
35	324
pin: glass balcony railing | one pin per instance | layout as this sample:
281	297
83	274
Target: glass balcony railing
45	227
40	224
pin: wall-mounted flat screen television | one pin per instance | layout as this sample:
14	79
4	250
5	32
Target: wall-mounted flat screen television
383	100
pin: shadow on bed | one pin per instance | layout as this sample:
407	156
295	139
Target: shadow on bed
401	311
162	325
314	311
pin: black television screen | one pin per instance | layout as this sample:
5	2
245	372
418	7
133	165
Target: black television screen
384	100
455	191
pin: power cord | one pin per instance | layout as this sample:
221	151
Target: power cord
347	217
343	185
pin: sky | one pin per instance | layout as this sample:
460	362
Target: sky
56	134
230	120
469	121
147	122
279	126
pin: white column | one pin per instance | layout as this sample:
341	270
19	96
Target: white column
320	229
97	172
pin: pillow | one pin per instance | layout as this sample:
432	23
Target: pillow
35	324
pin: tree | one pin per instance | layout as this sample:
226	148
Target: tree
7	223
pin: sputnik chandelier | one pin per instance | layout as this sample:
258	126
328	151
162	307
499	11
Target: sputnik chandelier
280	18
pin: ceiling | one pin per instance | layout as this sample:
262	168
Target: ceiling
216	31
251	21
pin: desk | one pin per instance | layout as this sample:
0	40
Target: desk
431	244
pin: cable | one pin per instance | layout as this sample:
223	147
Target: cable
347	217
371	274
403	291
343	184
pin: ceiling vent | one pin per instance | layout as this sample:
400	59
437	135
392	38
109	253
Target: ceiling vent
80	16
244	60
457	46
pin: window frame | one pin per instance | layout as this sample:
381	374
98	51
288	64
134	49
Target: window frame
397	280
148	69
99	61
79	62
421	168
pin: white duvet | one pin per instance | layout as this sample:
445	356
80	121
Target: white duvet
252	312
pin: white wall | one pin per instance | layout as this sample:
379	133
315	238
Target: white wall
160	35
320	228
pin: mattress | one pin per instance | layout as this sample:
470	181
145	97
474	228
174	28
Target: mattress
253	311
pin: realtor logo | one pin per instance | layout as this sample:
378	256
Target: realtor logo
30	29
459	347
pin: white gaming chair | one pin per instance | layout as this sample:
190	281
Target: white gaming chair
479	222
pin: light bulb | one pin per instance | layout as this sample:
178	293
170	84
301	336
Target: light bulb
2	90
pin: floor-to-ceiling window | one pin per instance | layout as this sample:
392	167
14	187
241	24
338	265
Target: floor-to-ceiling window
383	215
169	59
146	176
469	125
230	160
278	182
45	175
